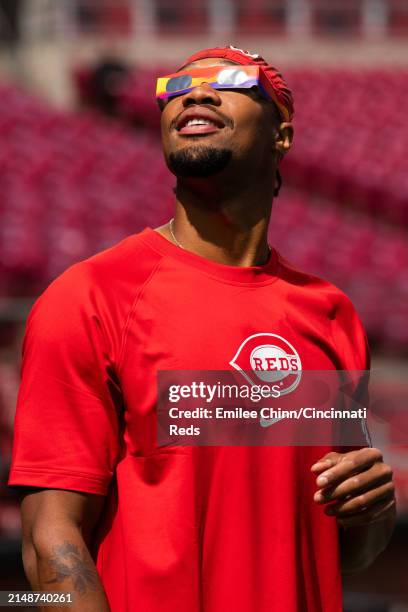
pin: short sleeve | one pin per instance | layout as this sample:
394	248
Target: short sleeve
353	349
349	336
67	423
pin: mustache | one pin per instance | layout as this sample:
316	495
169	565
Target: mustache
226	120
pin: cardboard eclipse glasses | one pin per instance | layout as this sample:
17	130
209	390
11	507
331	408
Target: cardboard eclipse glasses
218	77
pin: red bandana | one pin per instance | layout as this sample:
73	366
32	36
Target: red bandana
282	91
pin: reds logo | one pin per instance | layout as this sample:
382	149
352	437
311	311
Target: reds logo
272	359
253	55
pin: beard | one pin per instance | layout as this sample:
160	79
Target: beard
199	161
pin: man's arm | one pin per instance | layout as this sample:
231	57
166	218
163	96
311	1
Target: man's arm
358	490
57	528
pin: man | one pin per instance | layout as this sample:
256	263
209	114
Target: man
184	528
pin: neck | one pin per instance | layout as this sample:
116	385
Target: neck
225	224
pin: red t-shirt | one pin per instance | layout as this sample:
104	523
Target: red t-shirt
185	529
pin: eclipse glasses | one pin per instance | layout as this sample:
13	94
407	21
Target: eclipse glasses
218	77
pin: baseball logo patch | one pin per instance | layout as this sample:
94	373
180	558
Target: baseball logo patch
269	358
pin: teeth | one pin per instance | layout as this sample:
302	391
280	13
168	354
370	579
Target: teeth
199	122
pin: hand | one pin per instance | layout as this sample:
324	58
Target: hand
356	486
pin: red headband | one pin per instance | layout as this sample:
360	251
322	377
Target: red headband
282	91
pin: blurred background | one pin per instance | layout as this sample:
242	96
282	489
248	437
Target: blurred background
81	167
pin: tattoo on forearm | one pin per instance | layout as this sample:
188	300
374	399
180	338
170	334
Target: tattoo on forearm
68	561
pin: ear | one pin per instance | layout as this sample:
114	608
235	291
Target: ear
283	139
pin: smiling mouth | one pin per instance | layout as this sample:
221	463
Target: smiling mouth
199	126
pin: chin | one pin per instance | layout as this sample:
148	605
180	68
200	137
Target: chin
199	160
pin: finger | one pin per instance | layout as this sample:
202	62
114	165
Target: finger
349	464
362	502
377	475
326	462
375	514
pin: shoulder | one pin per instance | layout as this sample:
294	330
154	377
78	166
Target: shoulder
312	287
102	287
129	262
321	298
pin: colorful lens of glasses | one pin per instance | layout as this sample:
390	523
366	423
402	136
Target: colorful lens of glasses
178	83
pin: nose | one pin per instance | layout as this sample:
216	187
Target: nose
202	94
